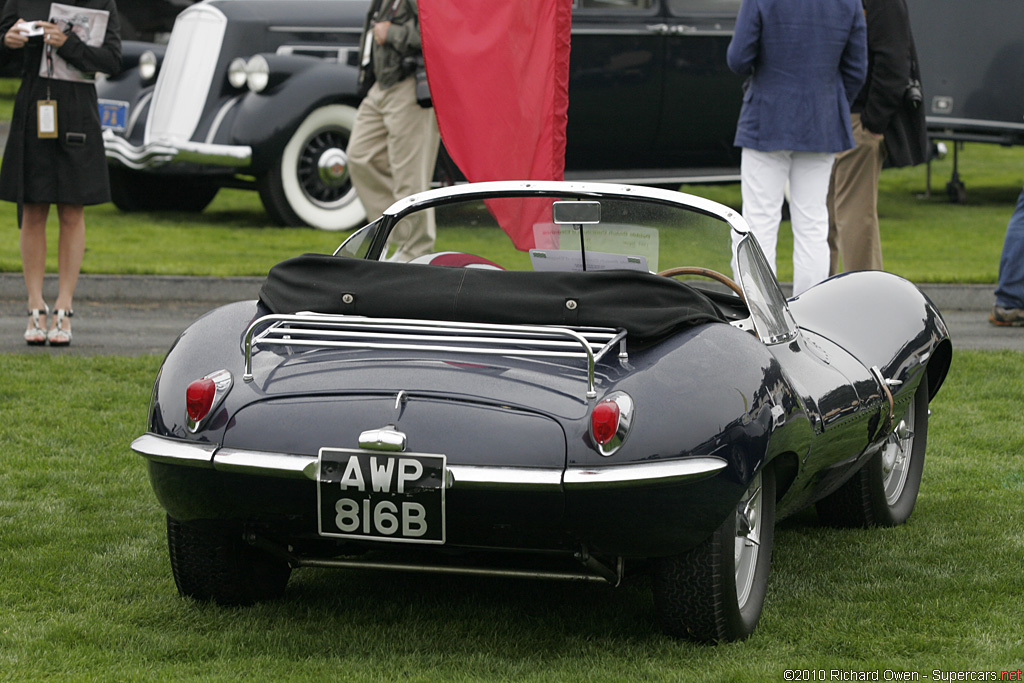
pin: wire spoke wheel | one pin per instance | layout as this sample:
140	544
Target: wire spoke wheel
897	457
323	169
310	184
748	541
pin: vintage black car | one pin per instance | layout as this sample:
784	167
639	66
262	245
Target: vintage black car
148	19
594	399
262	94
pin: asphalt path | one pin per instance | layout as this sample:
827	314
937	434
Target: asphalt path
129	316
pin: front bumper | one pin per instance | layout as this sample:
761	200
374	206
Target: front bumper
460	477
158	154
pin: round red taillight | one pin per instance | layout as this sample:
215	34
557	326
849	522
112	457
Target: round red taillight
199	398
604	421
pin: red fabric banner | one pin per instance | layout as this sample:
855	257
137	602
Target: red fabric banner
499	79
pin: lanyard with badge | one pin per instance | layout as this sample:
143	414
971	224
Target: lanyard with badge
46	110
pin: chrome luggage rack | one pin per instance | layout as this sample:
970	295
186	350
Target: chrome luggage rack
324	330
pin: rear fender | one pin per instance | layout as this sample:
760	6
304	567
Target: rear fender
712	391
884	321
211	343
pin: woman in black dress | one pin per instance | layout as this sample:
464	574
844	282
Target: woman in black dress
54	152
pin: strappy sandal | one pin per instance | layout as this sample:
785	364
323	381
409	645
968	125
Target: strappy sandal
36	334
57	336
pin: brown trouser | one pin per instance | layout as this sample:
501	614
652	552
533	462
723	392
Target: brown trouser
853	237
391	155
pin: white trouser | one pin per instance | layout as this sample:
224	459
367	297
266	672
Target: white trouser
763	177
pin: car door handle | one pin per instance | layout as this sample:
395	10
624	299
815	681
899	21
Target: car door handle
669	29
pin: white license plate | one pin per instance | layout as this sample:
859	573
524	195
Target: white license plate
381	496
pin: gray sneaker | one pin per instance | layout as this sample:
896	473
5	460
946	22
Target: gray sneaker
1006	317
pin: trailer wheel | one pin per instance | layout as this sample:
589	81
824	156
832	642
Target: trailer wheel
956	191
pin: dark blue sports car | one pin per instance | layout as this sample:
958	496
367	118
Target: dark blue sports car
573	388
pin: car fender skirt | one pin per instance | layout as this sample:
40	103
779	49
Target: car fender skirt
288	466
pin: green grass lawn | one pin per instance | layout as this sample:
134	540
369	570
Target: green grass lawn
86	591
8	87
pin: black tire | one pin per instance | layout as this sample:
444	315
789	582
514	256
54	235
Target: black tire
310	184
133	191
213	562
883	492
701	594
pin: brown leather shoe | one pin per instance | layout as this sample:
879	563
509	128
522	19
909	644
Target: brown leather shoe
1007	317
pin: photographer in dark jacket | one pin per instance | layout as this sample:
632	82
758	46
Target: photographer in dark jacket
54	151
889	128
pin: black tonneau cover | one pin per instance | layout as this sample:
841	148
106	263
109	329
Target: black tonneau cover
648	306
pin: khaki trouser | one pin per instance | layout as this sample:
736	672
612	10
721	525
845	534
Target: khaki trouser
391	155
853	234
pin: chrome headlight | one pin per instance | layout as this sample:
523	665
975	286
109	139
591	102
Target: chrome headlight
257	72
148	64
237	74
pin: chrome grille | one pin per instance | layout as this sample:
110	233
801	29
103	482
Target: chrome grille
342	331
186	74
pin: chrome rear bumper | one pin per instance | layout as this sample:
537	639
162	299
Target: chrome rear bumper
157	154
461	477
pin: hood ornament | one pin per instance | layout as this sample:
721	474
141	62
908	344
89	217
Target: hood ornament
387	438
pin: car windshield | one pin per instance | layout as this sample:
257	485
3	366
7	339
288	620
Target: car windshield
634	229
568	233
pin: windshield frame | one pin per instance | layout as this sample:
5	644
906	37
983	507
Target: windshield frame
770	313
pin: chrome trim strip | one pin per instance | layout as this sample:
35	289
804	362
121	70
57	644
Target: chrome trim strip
673	471
219	118
334	53
133	119
519	478
975	123
645	177
460	477
216	155
265	463
157	154
316	29
163	449
676	30
293	466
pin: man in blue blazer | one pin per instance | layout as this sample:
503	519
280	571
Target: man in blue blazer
807	60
